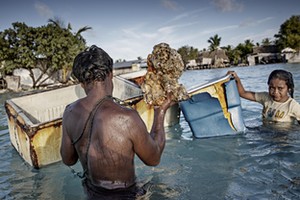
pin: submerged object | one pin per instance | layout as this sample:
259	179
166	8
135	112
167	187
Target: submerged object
35	120
165	66
214	109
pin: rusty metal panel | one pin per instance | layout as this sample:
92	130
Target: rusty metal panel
35	121
39	144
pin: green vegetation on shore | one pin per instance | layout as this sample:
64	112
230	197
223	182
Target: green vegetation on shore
49	48
53	47
288	36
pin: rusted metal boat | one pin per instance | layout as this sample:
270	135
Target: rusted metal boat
35	121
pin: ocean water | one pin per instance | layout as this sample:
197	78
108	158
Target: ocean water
261	163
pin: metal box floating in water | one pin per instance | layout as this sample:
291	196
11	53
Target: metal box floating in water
35	120
214	109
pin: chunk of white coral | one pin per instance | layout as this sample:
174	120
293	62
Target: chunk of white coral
165	67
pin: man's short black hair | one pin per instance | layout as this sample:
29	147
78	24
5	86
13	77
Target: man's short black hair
94	64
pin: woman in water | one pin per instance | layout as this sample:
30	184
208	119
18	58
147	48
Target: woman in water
278	103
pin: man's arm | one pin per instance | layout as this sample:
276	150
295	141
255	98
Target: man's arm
67	149
149	147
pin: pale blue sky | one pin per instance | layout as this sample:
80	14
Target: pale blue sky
127	29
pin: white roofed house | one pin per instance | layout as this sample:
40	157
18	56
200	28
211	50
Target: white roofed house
264	55
129	66
290	55
191	64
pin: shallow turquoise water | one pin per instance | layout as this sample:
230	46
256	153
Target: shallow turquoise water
262	163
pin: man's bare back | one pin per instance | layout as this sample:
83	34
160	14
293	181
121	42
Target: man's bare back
111	146
107	144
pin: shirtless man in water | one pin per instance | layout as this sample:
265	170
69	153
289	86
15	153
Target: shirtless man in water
104	135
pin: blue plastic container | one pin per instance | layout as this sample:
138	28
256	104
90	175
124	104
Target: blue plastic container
205	115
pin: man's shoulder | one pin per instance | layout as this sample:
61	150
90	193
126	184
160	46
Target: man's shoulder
122	111
71	107
122	107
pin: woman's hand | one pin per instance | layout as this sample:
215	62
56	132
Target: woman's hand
232	73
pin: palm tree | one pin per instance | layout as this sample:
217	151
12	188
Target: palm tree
249	46
266	42
214	42
83	29
61	25
58	22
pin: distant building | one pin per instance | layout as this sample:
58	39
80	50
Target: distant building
191	64
290	55
212	59
264	55
20	79
129	66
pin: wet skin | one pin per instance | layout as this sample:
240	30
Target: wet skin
118	133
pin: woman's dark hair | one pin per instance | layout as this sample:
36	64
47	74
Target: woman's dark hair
94	64
285	76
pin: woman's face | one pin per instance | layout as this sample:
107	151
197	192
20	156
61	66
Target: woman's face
278	90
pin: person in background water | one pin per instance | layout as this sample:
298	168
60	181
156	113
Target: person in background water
104	135
278	103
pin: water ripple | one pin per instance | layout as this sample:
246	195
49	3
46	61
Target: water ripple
262	163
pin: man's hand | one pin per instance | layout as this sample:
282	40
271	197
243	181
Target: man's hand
167	103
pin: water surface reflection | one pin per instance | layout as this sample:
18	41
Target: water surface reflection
262	163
